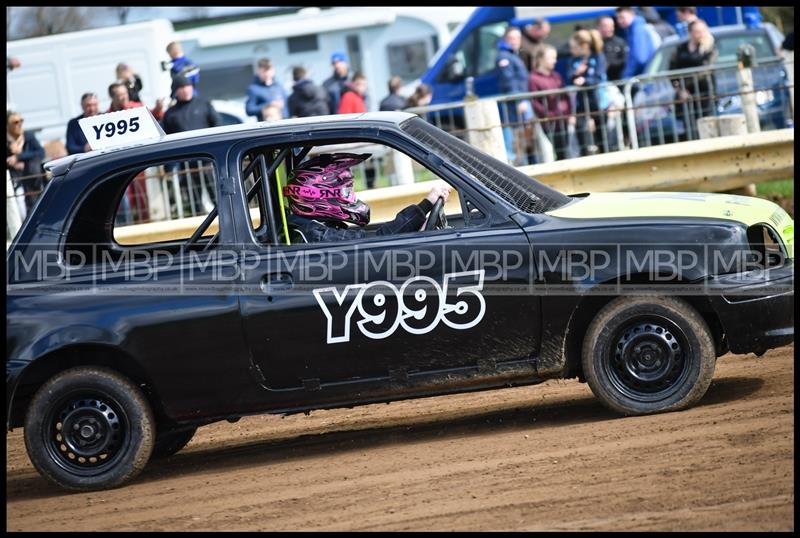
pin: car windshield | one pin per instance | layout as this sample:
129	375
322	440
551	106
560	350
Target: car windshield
510	184
726	49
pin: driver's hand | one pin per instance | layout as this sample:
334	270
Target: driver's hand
440	190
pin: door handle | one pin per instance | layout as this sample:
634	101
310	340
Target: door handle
276	282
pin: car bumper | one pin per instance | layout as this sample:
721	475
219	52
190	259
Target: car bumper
756	309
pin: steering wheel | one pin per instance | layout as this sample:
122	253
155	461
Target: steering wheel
436	219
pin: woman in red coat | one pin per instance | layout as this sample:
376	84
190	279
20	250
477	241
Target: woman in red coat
554	109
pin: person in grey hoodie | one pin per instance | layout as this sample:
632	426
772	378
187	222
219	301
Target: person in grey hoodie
265	90
307	99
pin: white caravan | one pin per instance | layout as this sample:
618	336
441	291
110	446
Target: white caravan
56	70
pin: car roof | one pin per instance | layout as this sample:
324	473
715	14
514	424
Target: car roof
56	166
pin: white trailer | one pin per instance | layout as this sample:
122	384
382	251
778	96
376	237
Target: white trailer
380	42
56	70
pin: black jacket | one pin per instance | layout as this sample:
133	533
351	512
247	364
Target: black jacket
410	219
683	58
393	102
615	50
308	99
188	115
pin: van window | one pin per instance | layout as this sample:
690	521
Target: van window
408	60
476	55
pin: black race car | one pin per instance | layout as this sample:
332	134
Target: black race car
118	352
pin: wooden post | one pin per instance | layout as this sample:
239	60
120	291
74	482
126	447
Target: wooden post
747	57
13	220
484	129
403	172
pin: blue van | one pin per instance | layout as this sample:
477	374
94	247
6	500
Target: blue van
472	51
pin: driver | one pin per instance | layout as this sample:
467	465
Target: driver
322	200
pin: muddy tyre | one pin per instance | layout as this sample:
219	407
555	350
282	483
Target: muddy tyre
169	443
89	428
645	355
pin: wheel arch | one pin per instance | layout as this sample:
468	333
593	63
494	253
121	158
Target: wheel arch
586	310
44	367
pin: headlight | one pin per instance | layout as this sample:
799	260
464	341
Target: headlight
764	96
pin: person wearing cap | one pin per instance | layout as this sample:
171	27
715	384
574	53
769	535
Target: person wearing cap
189	111
265	90
336	83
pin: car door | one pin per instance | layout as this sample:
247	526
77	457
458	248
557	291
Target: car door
384	307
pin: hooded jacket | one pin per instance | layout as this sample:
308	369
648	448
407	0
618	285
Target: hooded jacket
308	99
641	47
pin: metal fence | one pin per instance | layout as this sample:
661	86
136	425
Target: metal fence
538	127
648	110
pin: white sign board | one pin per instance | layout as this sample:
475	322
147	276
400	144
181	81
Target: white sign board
120	128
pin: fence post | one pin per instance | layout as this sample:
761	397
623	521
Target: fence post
746	54
13	220
403	172
483	127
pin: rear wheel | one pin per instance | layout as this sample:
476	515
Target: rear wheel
89	428
646	355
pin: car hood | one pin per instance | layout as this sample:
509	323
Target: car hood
744	209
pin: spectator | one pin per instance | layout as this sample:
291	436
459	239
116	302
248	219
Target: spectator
685	16
421	97
272	112
394	101
533	36
76	140
661	27
118	92
181	65
788	42
641	42
553	109
265	90
587	67
694	91
614	48
336	83
132	81
24	155
307	98
352	100
512	78
12	63
188	113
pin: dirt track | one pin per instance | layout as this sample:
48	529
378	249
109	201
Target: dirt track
542	457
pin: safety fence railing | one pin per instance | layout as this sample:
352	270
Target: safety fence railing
648	110
537	127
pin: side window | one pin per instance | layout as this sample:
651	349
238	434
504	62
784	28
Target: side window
476	55
177	194
271	212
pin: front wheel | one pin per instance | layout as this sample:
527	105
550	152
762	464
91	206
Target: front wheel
89	428
645	355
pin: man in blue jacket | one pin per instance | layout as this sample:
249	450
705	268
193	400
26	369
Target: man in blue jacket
512	76
76	141
265	90
641	41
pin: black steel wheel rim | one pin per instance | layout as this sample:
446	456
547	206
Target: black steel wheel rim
86	434
649	359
